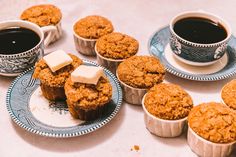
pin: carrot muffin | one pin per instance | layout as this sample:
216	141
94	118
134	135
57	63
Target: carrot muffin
52	83
93	27
42	15
141	71
168	101
117	46
88	101
213	122
228	94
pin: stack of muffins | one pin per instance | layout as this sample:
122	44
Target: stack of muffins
86	101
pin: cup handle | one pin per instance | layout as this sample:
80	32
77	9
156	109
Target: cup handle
48	34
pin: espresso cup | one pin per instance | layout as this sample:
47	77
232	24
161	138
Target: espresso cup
197	53
13	64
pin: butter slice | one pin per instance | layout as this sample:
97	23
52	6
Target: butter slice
87	74
57	60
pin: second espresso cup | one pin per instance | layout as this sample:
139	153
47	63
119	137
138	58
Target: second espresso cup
199	38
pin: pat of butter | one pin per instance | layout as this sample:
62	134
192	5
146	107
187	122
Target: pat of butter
57	60
87	74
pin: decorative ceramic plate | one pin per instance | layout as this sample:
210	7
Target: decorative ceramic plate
226	66
31	111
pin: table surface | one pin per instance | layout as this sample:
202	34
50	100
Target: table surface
138	18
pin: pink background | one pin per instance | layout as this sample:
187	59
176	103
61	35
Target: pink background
138	18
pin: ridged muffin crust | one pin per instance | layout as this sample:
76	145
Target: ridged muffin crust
213	122
117	46
42	15
168	101
141	71
93	27
88	96
58	78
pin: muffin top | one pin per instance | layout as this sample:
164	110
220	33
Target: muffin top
117	46
141	71
168	101
42	15
58	78
88	96
228	94
93	27
213	122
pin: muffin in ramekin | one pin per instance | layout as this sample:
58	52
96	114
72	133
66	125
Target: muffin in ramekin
166	107
137	74
87	30
228	94
88	101
45	15
52	83
212	130
113	48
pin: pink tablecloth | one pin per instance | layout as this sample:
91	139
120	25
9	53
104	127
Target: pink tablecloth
138	18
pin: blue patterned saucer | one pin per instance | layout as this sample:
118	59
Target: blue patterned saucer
31	111
224	68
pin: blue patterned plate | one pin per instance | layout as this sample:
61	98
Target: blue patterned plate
31	111
226	67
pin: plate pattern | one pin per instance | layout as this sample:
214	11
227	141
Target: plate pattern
18	97
159	41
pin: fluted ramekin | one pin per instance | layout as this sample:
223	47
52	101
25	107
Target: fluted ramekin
205	148
162	127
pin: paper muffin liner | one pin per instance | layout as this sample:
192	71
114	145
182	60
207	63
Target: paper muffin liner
162	127
55	33
86	115
206	148
85	46
132	95
53	93
110	64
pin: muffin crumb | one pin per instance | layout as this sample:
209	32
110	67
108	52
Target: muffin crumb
135	148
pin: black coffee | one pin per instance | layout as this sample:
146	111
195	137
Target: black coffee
200	30
16	40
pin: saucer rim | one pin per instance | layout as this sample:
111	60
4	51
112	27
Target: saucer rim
185	75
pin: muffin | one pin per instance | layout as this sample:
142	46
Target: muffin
113	48
45	15
166	109
52	83
137	74
228	94
87	30
212	127
88	101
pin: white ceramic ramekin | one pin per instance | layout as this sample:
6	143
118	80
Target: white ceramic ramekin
110	64
132	95
162	127
205	148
